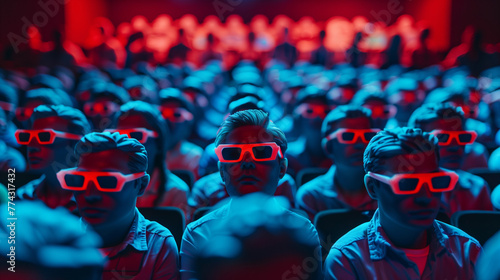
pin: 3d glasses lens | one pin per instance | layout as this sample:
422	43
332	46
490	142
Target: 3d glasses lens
441	182
24	136
107	182
74	181
348	136
408	184
262	152
137	135
231	153
465	137
44	136
370	135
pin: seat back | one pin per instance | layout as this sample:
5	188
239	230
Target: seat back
479	224
307	174
333	224
186	176
170	217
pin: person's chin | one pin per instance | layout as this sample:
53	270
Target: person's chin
248	187
422	219
37	164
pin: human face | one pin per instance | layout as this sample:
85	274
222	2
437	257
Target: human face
311	115
451	156
381	112
350	155
101	111
248	175
416	211
179	120
58	154
98	207
137	121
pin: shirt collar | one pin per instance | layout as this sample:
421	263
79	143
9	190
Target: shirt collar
378	243
136	236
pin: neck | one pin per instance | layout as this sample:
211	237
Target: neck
349	179
114	233
404	237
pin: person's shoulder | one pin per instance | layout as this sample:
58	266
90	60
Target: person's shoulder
153	227
354	236
454	232
318	184
216	214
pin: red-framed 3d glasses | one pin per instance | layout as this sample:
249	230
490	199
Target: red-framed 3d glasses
259	151
382	111
176	114
103	109
23	113
74	180
351	136
462	137
411	183
44	136
141	134
312	111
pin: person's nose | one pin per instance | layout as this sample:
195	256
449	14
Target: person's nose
247	161
34	145
92	194
424	196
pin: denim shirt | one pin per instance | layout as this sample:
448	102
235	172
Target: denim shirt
366	253
148	251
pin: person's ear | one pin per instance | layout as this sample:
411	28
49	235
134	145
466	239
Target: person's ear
371	184
283	167
221	171
144	184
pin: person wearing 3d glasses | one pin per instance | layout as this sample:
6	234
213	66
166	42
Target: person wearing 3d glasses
144	122
51	138
346	131
311	108
110	175
403	240
250	149
446	122
178	114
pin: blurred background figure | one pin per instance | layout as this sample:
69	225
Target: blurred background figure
50	244
257	241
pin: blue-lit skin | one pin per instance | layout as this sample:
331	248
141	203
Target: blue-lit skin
249	176
109	213
451	156
405	218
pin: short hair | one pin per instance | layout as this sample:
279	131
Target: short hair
174	94
398	141
46	81
366	95
118	94
251	117
49	96
309	93
102	141
78	123
435	111
153	117
343	112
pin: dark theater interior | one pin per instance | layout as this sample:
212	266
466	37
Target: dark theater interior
249	139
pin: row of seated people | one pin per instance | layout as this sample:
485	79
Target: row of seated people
256	237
